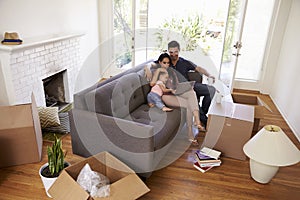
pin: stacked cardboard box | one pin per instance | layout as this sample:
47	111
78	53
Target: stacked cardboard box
229	128
260	107
20	134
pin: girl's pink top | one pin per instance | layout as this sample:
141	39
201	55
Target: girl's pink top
156	89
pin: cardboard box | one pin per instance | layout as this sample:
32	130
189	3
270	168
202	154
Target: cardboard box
229	127
20	134
260	107
125	184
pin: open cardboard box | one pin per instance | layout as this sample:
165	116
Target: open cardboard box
229	127
260	107
20	134
125	184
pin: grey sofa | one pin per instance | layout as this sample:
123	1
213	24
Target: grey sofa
113	116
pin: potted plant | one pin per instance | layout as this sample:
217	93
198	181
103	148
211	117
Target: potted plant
51	170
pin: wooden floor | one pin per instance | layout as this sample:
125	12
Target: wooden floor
179	180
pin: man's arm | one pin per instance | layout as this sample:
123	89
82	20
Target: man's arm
205	72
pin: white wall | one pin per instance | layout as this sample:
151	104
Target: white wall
36	18
273	47
285	90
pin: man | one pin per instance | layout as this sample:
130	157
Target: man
184	66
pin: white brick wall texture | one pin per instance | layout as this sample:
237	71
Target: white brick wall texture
30	66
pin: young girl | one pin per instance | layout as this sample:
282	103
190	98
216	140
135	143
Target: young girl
154	96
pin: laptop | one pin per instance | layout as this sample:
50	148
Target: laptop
184	87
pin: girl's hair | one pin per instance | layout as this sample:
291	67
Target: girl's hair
162	56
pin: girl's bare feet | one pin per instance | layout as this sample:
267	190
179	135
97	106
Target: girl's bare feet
166	109
151	105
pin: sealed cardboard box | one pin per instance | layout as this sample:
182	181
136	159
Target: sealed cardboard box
20	134
125	184
229	127
260	107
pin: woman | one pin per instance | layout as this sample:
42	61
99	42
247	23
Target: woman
187	100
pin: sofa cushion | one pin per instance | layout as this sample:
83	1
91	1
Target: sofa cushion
101	104
48	116
64	126
117	98
165	123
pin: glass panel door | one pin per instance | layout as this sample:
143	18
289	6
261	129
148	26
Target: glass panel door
130	31
255	35
141	31
232	43
247	28
123	32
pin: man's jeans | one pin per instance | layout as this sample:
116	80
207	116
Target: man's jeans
208	92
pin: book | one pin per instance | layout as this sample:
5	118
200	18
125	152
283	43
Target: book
210	164
205	161
204	158
201	169
210	152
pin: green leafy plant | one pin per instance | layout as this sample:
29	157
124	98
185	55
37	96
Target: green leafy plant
55	157
191	29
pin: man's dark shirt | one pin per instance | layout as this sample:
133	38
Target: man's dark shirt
183	66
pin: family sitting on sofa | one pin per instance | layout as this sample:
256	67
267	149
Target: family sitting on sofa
164	80
114	115
186	100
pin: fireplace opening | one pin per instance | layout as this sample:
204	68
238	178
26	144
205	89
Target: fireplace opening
54	90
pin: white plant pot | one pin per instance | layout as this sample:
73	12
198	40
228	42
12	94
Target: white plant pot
47	182
262	173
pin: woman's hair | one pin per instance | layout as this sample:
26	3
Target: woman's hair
162	56
171	72
161	74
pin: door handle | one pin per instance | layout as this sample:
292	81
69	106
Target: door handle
238	45
236	54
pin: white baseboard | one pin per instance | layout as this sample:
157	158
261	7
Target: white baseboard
286	120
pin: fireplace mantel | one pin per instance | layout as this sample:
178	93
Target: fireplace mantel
22	67
37	41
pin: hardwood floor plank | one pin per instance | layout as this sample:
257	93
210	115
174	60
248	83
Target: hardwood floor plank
180	180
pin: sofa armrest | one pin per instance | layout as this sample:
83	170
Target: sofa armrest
92	133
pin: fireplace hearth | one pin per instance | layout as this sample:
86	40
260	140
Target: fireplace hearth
54	89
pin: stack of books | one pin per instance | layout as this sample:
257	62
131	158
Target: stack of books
206	158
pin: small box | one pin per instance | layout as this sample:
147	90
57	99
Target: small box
260	107
125	184
229	127
20	134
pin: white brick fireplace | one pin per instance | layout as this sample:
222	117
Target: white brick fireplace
23	67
